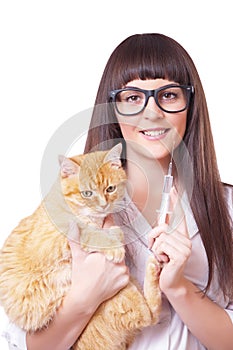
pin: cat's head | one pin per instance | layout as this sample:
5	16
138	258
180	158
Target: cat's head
94	183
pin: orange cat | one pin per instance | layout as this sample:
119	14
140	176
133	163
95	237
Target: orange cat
35	261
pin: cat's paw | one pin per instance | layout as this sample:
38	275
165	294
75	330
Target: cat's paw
153	269
116	255
117	233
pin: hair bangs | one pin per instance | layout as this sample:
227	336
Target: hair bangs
143	57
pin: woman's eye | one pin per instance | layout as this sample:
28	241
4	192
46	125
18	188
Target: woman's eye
86	194
133	98
110	189
169	95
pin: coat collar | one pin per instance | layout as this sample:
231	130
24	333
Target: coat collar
131	216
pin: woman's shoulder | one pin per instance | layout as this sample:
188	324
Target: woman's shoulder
228	190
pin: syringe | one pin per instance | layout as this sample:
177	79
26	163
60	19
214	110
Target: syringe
165	202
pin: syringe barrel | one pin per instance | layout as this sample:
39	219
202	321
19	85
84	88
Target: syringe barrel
164	208
167	185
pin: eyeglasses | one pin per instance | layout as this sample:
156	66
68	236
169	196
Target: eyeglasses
171	98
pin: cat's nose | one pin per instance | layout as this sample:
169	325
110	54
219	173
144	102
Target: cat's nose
103	203
102	208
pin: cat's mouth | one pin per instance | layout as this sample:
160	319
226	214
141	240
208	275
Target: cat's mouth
100	212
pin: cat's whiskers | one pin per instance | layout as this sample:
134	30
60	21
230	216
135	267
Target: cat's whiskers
118	206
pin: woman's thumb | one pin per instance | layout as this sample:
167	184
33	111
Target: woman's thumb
73	236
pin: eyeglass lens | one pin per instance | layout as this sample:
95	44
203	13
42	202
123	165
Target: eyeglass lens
170	99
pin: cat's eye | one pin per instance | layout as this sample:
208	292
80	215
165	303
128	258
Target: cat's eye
110	189
86	194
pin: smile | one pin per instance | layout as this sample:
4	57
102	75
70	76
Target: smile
154	133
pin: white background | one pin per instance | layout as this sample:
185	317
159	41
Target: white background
52	57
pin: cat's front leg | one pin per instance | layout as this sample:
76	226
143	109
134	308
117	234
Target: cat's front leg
116	251
109	241
85	221
152	292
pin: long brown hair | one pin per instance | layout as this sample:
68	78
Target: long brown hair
152	56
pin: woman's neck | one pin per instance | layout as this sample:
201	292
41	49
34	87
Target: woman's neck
145	183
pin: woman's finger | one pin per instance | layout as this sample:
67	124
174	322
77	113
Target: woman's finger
177	210
156	232
178	241
73	236
174	197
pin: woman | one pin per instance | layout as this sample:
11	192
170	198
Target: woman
151	97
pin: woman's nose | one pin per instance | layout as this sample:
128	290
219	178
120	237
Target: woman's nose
152	110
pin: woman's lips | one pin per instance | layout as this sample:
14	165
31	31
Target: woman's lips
154	134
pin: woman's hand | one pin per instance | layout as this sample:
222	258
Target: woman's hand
201	315
94	278
172	248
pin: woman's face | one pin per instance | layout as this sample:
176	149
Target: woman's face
153	133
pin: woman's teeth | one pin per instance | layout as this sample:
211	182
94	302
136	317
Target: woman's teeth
154	133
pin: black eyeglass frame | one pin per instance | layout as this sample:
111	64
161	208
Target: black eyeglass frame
154	93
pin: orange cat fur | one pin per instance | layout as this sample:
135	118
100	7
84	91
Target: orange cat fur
35	261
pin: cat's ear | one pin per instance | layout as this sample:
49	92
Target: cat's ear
114	156
68	166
